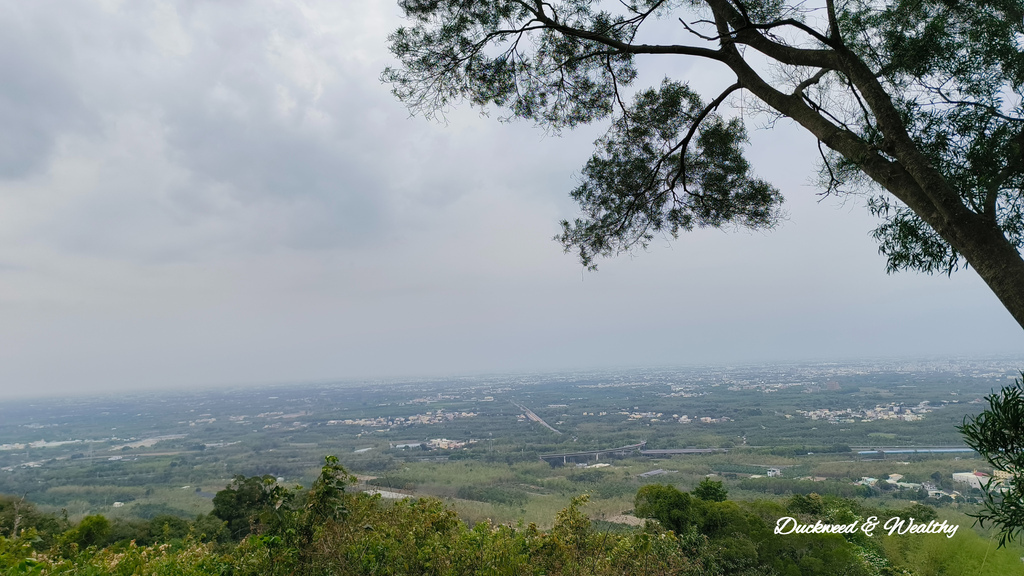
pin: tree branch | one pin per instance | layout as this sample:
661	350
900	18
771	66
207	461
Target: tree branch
697	34
992	191
833	22
624	47
745	32
817	77
891	175
990	108
789	22
833	182
615	87
860	102
685	142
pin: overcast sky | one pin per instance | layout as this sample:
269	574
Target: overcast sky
213	193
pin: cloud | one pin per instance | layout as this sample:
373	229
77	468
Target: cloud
169	130
194	192
38	96
180	130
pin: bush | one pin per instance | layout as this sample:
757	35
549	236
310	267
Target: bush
502	495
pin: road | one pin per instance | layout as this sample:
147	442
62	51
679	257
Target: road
529	414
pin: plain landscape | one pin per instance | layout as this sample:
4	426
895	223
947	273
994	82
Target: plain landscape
487	443
515	447
519	450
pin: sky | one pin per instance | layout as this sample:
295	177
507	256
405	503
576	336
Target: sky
222	193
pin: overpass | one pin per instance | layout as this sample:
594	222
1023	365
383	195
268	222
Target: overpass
883	450
567	457
674	451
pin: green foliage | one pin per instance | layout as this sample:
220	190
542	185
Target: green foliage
325	501
955	69
998	435
209	528
91	531
325	498
742	539
393	481
646	180
710	491
18	514
919	102
359	534
670	507
808	449
249	503
587	476
920	512
783	486
452	53
501	495
966	553
812	504
151	510
16	554
259	505
129	530
168	528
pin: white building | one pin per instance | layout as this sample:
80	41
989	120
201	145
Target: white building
973	479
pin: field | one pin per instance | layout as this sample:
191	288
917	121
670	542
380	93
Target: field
478	443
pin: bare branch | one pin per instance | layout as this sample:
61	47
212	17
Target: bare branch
833	182
697	34
790	22
990	108
823	111
817	77
615	87
860	102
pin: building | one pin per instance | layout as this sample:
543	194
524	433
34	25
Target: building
1001	476
973	479
445	444
406	445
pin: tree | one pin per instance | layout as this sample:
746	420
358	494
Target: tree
247	503
996	434
916	103
710	490
325	501
17	514
675	510
91	531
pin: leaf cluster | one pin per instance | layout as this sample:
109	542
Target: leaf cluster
498	53
920	102
955	70
997	433
645	179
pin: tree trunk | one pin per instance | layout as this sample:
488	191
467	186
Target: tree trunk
905	173
997	261
916	183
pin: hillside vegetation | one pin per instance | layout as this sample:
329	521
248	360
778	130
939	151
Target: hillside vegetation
260	527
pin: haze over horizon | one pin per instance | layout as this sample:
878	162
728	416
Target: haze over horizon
198	194
970	369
